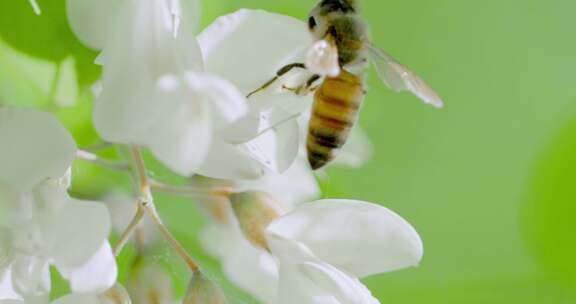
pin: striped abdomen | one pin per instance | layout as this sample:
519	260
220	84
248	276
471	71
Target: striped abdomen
335	110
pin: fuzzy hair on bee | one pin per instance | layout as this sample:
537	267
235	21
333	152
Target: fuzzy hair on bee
340	20
344	6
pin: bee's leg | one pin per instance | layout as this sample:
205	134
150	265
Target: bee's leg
305	88
281	72
311	81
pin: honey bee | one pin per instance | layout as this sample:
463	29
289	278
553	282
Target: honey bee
338	59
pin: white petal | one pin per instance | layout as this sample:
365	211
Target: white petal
142	50
8	292
92	21
266	112
293	285
224	160
146	33
277	148
227	102
31	276
273	126
297	286
345	288
252	269
77	232
227	161
35	147
122	111
357	151
77	299
15	207
287	144
306	279
186	15
369	238
95	276
249	46
213	240
181	140
295	186
51	195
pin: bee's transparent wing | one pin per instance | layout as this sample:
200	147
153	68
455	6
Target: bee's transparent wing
322	57
400	78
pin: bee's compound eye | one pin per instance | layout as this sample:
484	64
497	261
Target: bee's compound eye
311	23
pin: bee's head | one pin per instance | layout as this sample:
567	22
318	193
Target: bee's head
327	10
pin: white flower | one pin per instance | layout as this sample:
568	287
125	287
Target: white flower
252	268
318	252
137	53
323	247
40	225
155	92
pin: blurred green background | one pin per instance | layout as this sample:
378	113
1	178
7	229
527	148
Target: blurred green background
489	181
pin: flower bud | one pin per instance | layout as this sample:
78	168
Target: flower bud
255	211
149	283
201	290
115	295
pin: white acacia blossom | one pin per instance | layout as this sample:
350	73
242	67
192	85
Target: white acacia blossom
40	224
252	268
248	47
318	252
155	91
323	247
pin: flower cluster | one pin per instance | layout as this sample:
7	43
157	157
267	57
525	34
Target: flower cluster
182	97
37	213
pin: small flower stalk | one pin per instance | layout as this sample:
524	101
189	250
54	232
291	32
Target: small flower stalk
202	290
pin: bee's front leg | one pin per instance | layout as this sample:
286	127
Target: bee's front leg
281	72
306	87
